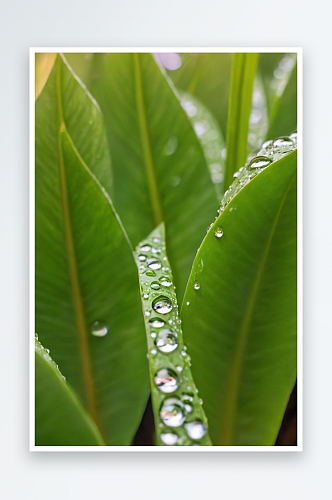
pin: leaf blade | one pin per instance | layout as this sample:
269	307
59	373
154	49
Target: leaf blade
247	312
180	184
242	80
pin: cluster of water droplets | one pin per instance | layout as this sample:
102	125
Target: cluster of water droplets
270	152
45	353
181	420
210	136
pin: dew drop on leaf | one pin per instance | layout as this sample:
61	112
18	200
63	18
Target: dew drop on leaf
197	286
145	248
166	341
162	305
153	263
165	281
260	162
156	322
195	429
169	438
166	380
172	412
218	232
155	285
99	328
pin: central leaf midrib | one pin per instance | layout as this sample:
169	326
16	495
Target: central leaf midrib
233	385
89	386
146	146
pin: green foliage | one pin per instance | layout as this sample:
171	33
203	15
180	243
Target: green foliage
150	163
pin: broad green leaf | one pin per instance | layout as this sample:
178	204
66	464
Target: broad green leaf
87	66
160	173
60	419
210	137
86	277
283	117
207	77
240	325
240	97
178	413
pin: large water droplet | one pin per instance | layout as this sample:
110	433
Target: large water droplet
166	380
153	263
172	412
260	162
165	281
156	322
99	328
166	341
169	437
282	142
196	429
150	273
145	248
162	305
155	285
218	232
293	136
197	286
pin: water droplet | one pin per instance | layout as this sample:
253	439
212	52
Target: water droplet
141	257
293	136
150	273
162	305
175	180
260	162
169	438
179	368
196	429
166	380
188	303
166	341
218	232
183	353
153	335
171	146
147	313
282	141
201	401
165	281
156	322
145	248
208	229
236	175
172	412
153	263
197	286
187	398
145	296
267	144
153	352
99	328
155	285
188	408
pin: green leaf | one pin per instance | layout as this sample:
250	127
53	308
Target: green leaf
240	326
160	173
267	63
243	76
210	137
283	117
178	413
85	271
206	76
60	419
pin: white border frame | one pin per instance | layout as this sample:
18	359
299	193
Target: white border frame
32	446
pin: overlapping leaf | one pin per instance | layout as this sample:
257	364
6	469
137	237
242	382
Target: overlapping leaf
86	276
160	173
239	320
60	419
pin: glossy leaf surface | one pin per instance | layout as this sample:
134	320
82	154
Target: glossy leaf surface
240	326
160	173
178	413
85	271
240	98
60	419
